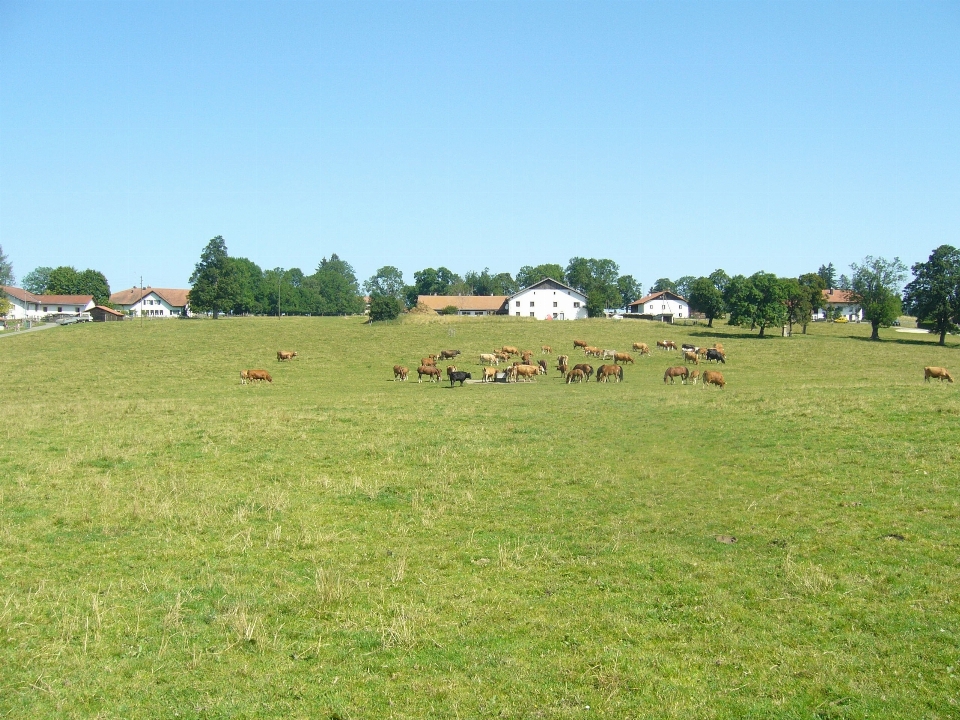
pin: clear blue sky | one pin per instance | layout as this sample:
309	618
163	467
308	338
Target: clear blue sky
673	138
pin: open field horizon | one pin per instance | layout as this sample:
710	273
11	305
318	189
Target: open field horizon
336	544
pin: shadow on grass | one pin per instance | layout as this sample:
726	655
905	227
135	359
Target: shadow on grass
739	336
933	340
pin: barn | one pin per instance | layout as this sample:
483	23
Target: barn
548	300
663	306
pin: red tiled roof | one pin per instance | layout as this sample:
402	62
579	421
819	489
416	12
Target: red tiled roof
463	302
26	296
173	297
654	296
840	297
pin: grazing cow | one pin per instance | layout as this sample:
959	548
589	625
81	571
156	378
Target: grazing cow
716	356
489	374
623	357
502	356
676	372
527	372
587	369
431	360
702	352
604	372
400	372
285	355
258	375
663	344
525	356
546	350
669	345
543	366
489	359
712	377
431	371
936	373
451	369
509	350
687	347
609	355
691	357
244	376
575	375
579	344
459	376
642	348
448	354
718	346
694	376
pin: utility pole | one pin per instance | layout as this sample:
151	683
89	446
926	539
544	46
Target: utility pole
141	302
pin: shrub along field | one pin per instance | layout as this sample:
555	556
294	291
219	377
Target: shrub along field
339	545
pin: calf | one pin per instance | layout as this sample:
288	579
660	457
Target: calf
716	356
694	376
244	376
712	377
400	372
575	375
431	360
642	348
605	372
586	368
525	356
459	376
579	344
546	350
431	371
623	357
936	373
285	355
451	369
691	356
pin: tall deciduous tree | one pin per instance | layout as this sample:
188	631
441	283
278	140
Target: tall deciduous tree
705	297
388	281
93	282
934	293
720	279
62	281
683	285
759	300
875	286
528	275
336	284
36	280
629	289
664	284
214	284
6	269
814	285
384	307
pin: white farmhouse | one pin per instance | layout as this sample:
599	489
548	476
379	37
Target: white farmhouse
663	306
548	300
27	306
839	304
152	302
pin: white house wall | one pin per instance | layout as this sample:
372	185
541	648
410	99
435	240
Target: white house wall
153	306
543	303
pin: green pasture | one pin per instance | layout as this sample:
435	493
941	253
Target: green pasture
339	545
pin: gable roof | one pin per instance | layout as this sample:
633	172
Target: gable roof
105	309
839	297
26	296
173	297
661	294
548	283
463	302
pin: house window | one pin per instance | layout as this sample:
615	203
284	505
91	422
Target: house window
650	307
554	304
78	309
518	314
576	304
679	314
518	305
554	315
664	307
533	314
59	309
44	308
531	303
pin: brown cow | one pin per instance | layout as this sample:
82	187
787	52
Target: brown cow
285	355
712	377
587	369
428	360
509	350
669	345
431	371
489	359
604	372
546	350
400	372
489	374
525	356
622	357
694	376
936	373
543	366
244	376
579	344
691	357
676	372
448	354
575	375
719	347
258	375
527	372
451	369
642	348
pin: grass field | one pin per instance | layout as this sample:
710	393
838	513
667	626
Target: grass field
338	545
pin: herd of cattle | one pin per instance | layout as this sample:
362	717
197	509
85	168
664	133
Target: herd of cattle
526	369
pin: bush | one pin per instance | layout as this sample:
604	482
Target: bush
384	307
449	310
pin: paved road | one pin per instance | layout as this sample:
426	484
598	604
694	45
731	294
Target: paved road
10	332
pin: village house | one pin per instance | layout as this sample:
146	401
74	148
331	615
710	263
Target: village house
465	304
26	305
548	300
839	304
152	302
663	306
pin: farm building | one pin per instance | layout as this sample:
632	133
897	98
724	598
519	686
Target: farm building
663	306
466	304
152	302
100	313
27	306
839	304
548	300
